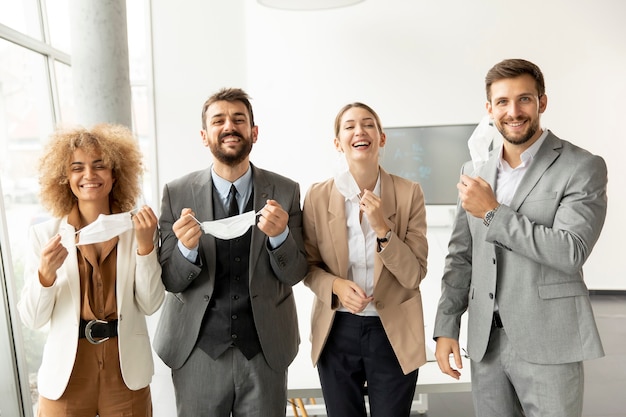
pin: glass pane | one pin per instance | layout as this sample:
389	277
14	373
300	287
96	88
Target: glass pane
58	15
143	131
21	15
8	388
25	123
65	90
138	43
139	65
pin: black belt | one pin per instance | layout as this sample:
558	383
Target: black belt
496	322
97	329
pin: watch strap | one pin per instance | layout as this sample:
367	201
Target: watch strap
384	239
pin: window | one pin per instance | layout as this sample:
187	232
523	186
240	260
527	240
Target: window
36	95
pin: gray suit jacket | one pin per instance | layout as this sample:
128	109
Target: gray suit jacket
272	272
530	260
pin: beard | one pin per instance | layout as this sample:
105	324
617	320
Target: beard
230	158
522	138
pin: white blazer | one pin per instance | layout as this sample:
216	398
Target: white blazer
140	292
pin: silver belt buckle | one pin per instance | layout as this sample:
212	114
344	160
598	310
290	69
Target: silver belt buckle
88	335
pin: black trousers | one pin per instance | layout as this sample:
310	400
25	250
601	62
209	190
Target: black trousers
358	360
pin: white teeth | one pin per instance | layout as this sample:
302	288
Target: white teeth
363	143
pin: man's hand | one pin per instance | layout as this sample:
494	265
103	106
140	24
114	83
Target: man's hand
445	347
476	196
187	229
273	219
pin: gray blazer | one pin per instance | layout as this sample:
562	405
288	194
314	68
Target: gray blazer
272	272
530	260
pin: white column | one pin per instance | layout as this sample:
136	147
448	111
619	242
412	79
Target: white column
100	62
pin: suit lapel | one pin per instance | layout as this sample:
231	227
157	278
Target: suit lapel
262	190
489	171
337	228
388	197
68	239
202	205
545	156
122	267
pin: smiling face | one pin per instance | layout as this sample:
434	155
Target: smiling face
90	179
515	107
229	132
359	136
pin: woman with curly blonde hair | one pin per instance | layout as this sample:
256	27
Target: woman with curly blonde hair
97	360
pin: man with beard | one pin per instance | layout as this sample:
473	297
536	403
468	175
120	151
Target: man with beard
526	223
228	328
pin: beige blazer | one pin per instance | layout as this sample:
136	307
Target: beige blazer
140	292
398	269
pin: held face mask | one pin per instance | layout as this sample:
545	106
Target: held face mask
230	227
104	228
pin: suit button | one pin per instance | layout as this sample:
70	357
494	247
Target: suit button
235	297
234	317
491	295
233	336
206	298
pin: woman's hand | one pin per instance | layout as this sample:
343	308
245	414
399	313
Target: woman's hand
351	295
372	206
52	257
145	222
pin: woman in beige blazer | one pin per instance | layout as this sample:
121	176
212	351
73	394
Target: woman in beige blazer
97	359
365	238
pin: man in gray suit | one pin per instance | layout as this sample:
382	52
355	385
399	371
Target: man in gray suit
516	256
229	328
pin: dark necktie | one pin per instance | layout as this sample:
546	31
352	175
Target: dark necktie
233	208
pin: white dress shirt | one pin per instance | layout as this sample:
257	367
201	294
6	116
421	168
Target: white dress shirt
362	242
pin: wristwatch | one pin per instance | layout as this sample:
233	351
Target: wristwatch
489	215
384	239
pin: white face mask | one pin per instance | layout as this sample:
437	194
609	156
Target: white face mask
230	227
347	186
104	228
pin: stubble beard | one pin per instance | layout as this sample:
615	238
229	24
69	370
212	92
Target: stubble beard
232	159
519	140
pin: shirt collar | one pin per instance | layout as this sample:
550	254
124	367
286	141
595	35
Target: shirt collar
222	186
529	154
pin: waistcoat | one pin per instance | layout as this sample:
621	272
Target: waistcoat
228	320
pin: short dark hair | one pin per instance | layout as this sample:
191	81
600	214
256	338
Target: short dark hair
230	95
513	68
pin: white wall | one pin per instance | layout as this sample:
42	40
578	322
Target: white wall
416	63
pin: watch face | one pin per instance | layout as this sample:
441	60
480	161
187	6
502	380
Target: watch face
488	216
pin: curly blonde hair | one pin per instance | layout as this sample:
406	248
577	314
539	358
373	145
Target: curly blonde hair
119	150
